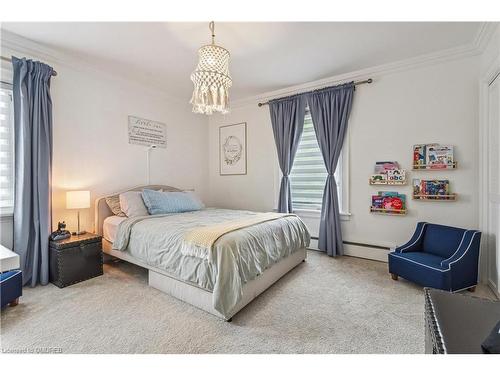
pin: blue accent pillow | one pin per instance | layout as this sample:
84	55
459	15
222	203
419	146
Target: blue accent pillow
171	202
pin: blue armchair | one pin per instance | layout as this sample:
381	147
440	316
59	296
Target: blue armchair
438	256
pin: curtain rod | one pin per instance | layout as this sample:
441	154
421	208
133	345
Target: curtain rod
54	73
369	80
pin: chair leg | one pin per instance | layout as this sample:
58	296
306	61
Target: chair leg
394	276
472	289
14	303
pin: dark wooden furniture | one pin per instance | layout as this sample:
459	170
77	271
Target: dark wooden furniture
75	259
457	323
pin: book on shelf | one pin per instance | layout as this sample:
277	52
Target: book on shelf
378	179
430	187
389	200
418	155
388	173
432	156
396	176
384	166
439	156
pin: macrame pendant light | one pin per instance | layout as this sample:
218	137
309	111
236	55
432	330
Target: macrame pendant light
211	79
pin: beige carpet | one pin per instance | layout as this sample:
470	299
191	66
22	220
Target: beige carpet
325	305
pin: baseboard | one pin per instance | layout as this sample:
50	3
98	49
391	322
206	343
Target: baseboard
366	252
359	251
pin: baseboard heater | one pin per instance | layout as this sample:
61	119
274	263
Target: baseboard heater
359	244
364	250
366	245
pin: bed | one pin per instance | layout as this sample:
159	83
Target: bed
243	263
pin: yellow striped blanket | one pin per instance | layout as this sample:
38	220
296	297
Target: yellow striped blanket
198	242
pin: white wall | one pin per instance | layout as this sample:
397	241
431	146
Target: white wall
436	103
91	149
90	139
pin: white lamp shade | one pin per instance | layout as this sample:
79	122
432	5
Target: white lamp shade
78	199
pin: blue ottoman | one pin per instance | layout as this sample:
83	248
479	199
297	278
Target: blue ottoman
11	287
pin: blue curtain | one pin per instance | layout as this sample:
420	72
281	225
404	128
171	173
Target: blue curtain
287	118
33	161
330	109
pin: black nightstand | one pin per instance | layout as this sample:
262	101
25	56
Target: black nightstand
75	259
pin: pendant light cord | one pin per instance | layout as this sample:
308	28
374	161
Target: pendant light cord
211	26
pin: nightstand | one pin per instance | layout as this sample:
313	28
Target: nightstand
75	259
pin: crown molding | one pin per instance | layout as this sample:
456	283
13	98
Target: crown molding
476	47
15	44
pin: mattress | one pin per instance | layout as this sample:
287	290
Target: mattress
110	227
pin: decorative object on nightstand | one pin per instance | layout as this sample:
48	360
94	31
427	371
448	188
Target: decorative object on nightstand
78	200
11	278
75	259
61	233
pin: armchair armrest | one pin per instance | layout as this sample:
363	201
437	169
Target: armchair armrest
414	243
470	243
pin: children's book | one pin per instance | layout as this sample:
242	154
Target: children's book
418	155
389	200
437	187
439	156
384	166
396	176
416	186
431	187
378	179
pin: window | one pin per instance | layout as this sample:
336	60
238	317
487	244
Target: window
308	174
6	151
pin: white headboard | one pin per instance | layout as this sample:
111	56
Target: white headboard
102	210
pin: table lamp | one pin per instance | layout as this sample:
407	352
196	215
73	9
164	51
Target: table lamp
77	200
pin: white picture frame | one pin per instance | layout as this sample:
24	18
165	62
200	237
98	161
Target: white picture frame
233	149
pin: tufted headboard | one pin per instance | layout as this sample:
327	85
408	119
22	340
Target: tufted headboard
102	210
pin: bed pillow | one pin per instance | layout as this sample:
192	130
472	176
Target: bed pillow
132	204
113	203
170	202
193	195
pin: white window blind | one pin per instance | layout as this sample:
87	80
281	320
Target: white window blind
6	151
308	174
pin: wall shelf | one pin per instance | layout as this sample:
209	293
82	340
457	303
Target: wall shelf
427	197
434	167
384	211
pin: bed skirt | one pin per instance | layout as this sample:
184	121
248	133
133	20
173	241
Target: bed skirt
202	298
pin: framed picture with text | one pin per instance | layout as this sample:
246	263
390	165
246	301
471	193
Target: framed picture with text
233	149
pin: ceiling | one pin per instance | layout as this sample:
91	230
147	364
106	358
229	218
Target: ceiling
264	56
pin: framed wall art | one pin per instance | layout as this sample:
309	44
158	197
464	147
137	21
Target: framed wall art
233	149
146	132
